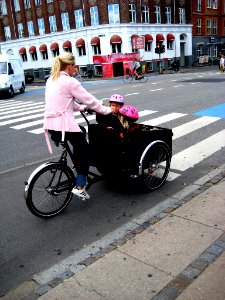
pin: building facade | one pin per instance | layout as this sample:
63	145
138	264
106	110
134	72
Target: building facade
208	30
103	35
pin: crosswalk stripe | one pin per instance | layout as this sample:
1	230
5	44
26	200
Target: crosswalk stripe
21	119
9	102
30	109
163	119
189	127
196	153
141	114
17	104
15	108
21	113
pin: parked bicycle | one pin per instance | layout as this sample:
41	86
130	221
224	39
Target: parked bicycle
130	76
142	156
78	77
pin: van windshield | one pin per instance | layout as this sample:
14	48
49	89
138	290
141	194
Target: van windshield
3	68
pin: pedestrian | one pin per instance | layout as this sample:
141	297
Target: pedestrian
222	63
60	94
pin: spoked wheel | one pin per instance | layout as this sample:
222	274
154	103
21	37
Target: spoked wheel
127	79
49	191
155	166
143	78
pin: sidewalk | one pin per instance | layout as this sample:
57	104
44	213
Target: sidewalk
166	72
179	253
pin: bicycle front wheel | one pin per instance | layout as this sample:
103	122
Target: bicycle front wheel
127	79
49	191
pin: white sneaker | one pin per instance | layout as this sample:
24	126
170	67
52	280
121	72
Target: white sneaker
81	193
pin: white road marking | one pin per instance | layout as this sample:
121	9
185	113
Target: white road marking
163	119
196	153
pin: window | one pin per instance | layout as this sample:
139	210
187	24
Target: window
148	46
214	29
30	28
182	16
157	14
7	33
215	4
27	4
44	55
49	1
208	27
199	26
34	56
52	23
145	14
65	21
79	18
3	8
199	50
199	5
114	14
116	48
96	49
20	30
16	5
81	51
168	15
94	15
209	3
24	56
41	26
169	45
132	13
214	50
37	2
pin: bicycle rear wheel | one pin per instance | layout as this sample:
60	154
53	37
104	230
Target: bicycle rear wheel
155	166
49	191
144	78
127	79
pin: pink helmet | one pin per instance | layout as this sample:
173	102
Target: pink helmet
117	99
130	112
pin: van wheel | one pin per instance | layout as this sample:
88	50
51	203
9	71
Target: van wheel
11	92
22	89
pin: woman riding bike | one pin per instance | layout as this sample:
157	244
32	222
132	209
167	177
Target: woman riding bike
61	91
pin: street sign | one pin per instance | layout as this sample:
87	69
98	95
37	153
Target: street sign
138	42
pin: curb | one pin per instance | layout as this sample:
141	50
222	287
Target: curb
36	287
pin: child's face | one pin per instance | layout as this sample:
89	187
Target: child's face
115	107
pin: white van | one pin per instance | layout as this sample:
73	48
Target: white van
11	75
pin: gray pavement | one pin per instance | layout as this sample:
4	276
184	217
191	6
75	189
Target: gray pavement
176	253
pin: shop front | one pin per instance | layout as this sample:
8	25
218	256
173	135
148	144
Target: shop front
115	65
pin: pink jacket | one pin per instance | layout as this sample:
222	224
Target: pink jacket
60	104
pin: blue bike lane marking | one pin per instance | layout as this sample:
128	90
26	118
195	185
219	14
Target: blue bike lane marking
215	111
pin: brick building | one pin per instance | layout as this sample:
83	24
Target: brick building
103	35
208	29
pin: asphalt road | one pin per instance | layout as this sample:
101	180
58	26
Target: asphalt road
179	101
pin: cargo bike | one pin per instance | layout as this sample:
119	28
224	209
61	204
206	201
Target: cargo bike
142	155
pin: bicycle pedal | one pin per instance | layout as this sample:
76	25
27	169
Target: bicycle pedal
82	199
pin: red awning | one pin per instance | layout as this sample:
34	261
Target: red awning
22	50
67	44
148	38
159	38
134	35
115	39
80	43
95	41
43	48
54	46
32	49
170	37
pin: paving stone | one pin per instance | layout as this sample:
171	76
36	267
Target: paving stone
214	249
180	282
191	272
220	243
209	257
168	293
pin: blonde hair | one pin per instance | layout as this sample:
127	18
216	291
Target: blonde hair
124	122
60	63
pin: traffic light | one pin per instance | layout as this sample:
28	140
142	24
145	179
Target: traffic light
157	49
162	50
